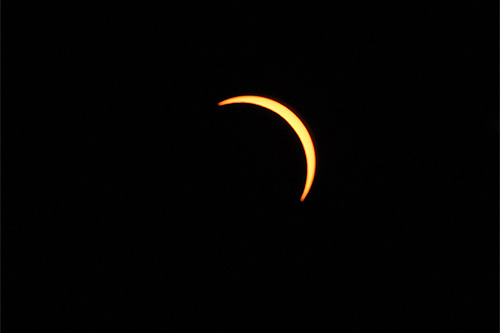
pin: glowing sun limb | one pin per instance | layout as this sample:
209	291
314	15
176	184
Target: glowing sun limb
294	122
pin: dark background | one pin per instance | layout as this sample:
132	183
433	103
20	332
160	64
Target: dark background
132	202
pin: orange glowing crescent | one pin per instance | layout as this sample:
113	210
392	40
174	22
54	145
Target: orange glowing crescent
294	122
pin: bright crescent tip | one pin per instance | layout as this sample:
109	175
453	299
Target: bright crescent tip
294	122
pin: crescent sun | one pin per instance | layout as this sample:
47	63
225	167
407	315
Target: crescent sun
297	125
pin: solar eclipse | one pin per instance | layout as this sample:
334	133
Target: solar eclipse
296	124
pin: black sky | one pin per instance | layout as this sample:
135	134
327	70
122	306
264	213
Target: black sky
135	203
